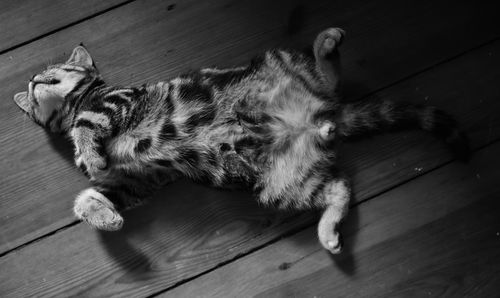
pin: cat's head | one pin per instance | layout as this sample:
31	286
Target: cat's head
48	90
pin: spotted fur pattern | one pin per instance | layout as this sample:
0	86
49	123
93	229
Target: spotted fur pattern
271	125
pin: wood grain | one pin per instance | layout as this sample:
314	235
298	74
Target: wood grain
22	21
157	42
435	236
189	229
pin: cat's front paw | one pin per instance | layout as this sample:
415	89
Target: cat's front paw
96	210
93	166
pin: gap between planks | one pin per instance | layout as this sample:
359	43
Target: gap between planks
73	23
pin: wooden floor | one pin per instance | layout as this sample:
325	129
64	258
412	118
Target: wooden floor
420	224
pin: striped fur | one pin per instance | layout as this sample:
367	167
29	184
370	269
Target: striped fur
271	125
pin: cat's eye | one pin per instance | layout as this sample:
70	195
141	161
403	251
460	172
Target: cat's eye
53	81
49	81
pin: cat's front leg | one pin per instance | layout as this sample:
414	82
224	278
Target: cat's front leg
89	134
91	163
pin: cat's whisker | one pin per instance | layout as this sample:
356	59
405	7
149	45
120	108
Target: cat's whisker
25	116
48	62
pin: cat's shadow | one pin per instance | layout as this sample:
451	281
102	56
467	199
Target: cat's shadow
62	145
184	220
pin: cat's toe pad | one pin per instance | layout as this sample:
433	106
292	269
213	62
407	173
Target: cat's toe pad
336	33
97	211
332	242
330	39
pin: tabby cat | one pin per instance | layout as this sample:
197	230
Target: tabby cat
271	125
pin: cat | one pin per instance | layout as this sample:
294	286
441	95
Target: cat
272	125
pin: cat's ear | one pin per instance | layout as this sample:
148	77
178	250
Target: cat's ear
22	101
80	56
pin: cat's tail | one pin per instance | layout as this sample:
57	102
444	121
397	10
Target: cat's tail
368	117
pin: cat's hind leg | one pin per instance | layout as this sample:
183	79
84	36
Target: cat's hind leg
92	207
327	57
337	193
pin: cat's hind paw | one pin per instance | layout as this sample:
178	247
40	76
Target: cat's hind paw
328	40
96	210
331	241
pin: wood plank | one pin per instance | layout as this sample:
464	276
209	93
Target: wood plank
435	236
192	231
22	21
151	46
